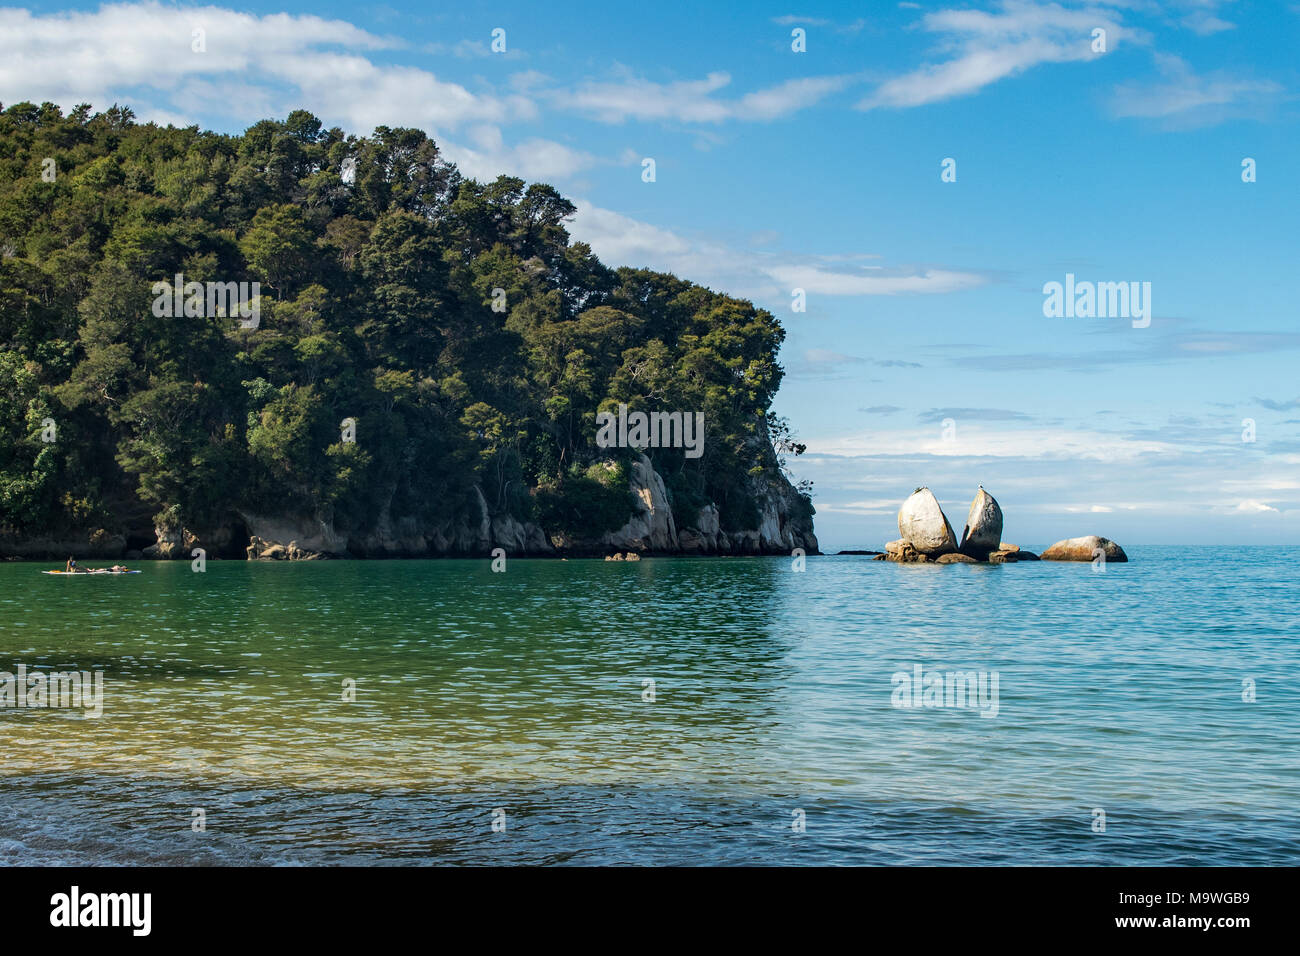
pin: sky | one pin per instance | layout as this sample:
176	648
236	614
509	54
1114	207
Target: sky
921	172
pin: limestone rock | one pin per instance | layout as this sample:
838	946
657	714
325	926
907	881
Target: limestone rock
983	531
1083	549
308	536
692	542
708	521
955	557
651	527
169	543
923	525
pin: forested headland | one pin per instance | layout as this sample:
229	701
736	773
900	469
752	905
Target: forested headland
423	377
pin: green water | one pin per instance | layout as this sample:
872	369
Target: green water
772	692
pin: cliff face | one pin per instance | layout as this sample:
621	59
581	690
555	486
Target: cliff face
651	528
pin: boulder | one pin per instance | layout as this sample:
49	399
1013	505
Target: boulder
1010	555
983	531
923	525
900	552
270	536
956	557
1003	546
1084	549
171	543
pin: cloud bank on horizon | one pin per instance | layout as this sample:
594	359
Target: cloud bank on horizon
898	188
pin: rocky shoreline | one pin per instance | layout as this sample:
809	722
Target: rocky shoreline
651	530
926	537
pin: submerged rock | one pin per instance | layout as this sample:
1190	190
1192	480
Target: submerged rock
923	525
1084	549
983	531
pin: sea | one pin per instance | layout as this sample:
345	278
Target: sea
689	711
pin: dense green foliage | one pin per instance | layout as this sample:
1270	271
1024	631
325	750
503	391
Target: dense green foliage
377	305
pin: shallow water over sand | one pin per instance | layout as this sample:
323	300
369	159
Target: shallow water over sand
525	692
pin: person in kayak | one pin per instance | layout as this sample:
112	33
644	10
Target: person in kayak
71	567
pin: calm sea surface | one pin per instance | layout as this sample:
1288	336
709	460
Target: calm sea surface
524	692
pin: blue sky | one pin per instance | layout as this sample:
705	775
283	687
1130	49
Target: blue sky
820	170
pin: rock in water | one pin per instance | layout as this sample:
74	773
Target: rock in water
1084	549
955	558
900	552
983	531
923	525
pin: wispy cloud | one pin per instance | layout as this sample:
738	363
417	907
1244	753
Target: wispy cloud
814	279
790	20
1182	98
1147	350
1279	406
973	414
980	47
694	101
768	275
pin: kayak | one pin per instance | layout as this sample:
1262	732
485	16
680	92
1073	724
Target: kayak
86	574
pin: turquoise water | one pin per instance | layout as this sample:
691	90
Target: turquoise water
524	692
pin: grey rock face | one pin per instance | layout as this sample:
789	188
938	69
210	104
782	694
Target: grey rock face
923	525
983	531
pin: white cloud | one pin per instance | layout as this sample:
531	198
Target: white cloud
694	101
1186	98
813	279
981	442
251	65
756	274
621	240
1254	507
992	46
791	20
538	159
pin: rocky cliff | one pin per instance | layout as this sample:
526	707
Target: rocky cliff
651	528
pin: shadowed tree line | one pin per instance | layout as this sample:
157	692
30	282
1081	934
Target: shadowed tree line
378	264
